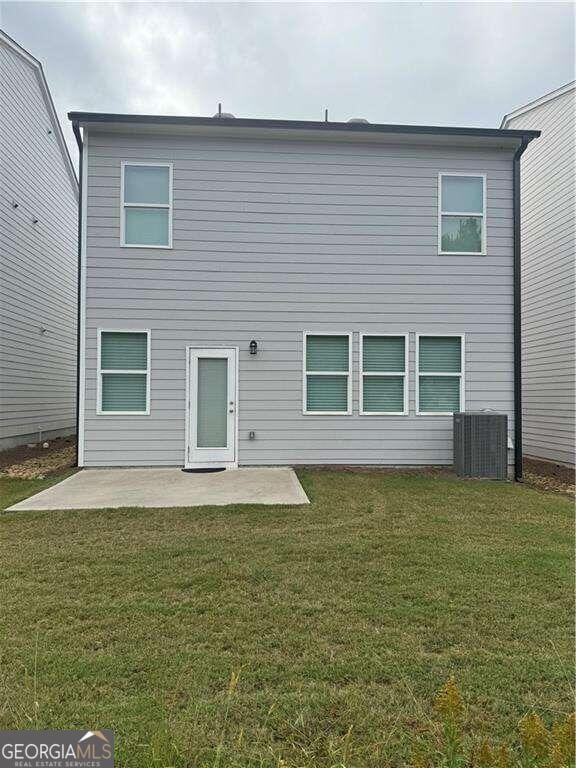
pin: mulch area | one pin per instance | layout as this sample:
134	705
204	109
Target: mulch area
39	462
550	477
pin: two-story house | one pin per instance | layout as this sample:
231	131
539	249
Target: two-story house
548	275
38	258
286	292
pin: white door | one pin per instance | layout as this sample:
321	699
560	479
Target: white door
212	411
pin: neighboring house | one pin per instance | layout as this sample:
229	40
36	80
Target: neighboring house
38	258
548	284
285	292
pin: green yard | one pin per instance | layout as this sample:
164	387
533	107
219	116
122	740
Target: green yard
340	620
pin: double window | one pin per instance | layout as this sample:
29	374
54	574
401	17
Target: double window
384	374
462	214
327	364
124	372
440	374
146	215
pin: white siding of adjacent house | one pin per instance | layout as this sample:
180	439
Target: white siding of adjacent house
548	279
276	237
38	263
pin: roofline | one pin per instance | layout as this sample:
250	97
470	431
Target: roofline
538	102
308	125
35	63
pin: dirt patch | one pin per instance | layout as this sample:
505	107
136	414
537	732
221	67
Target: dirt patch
38	462
549	476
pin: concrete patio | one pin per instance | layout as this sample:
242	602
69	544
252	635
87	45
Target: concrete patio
168	487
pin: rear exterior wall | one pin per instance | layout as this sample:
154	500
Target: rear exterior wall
273	238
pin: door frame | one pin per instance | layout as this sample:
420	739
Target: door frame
188	464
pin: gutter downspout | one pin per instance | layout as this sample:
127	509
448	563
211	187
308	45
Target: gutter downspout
78	135
517	312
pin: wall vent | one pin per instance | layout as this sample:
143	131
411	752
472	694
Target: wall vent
480	445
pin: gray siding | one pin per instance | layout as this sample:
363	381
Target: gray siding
275	237
38	277
548	284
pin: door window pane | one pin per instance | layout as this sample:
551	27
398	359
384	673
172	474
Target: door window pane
146	226
212	406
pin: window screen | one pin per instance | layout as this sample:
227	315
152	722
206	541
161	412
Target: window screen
462	214
123	372
439	374
383	374
146	206
327	373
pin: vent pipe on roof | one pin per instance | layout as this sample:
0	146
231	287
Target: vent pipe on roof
222	114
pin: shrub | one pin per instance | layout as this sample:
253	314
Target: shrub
534	745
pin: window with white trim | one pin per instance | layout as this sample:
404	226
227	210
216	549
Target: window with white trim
146	205
440	374
327	363
384	374
462	214
124	372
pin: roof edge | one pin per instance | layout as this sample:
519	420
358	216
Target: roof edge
537	103
359	128
45	90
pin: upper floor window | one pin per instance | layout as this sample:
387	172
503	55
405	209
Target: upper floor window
462	214
146	205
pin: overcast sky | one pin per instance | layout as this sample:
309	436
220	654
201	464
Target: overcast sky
424	63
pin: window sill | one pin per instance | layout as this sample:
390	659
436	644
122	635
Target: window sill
462	253
148	247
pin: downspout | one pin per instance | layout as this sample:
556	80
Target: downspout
517	312
78	135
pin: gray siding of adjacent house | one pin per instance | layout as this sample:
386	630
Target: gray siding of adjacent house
273	238
548	280
38	272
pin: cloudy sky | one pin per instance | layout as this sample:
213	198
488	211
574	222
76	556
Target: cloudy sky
461	63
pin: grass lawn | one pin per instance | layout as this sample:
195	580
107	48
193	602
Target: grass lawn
341	620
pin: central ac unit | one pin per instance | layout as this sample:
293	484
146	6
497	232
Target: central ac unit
481	445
